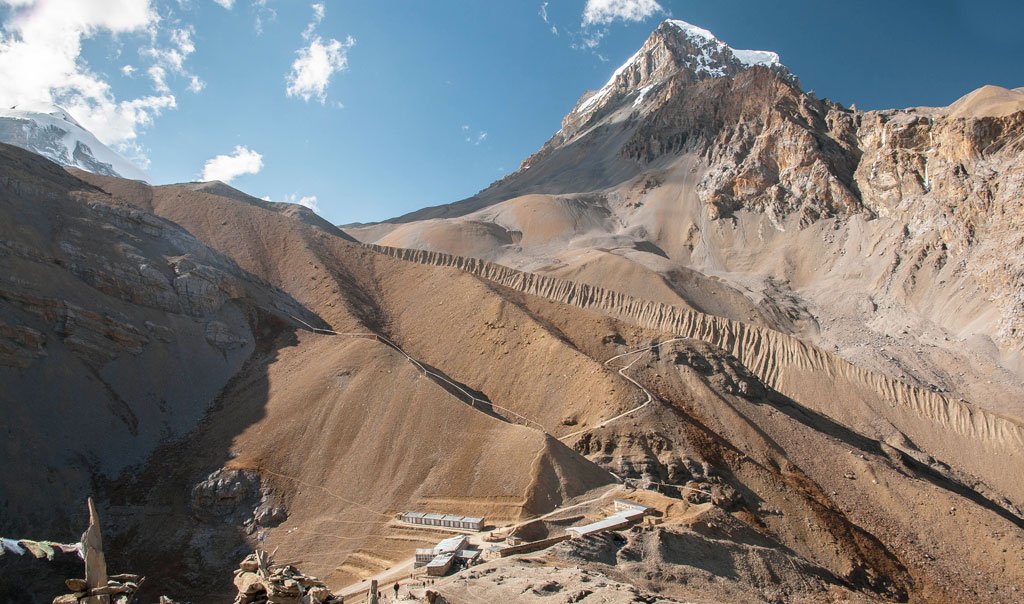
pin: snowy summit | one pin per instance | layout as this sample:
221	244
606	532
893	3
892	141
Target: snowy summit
675	47
53	133
749	58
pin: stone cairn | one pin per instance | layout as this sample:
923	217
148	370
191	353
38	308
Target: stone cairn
97	587
259	581
118	590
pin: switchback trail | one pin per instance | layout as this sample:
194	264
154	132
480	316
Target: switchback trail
622	371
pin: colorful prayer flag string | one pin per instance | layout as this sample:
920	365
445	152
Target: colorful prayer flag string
39	549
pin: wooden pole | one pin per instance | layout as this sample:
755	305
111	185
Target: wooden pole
95	562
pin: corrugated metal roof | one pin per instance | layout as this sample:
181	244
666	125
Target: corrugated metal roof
631	514
441	560
434	516
451	544
614	521
473	520
414	514
452	517
634	504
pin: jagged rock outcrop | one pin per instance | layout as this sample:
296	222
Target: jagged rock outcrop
767	146
957	182
237	496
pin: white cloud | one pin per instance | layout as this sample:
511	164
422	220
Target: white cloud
316	62
40	62
604	12
195	84
263	13
226	3
318	17
312	71
226	168
598	15
308	201
128	70
159	76
467	134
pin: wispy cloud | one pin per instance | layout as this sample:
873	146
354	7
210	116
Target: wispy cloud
171	59
226	3
544	15
598	15
317	62
318	17
467	134
226	168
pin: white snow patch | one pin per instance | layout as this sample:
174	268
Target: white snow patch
751	58
643	93
692	30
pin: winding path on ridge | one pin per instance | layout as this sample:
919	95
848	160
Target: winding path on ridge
622	371
402	569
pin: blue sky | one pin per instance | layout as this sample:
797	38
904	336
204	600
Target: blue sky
428	102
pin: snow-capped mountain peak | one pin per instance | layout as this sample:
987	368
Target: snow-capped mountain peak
52	132
675	48
749	58
47	108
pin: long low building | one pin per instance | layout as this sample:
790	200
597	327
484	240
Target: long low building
628	513
466	523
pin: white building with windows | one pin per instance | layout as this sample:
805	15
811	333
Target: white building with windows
462	523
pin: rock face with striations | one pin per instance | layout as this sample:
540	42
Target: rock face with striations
119	325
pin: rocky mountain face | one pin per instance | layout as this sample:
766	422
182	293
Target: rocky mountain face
675	51
957	183
700	168
51	132
91	291
159	352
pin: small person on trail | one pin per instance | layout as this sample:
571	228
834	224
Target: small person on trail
396	590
